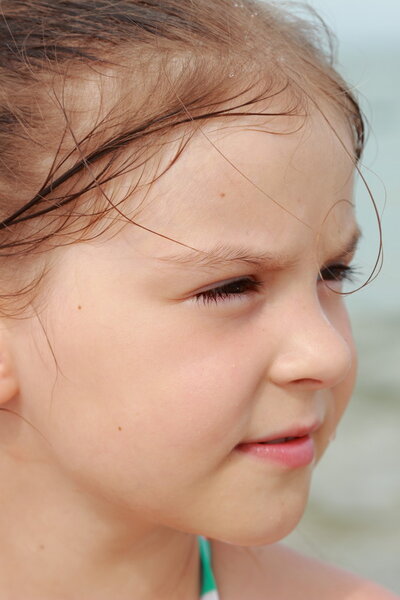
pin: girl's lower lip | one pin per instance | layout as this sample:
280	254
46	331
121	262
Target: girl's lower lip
298	452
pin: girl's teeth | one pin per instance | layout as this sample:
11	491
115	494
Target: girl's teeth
280	440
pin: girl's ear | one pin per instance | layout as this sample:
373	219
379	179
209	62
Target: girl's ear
8	376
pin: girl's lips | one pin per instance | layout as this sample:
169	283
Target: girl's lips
290	451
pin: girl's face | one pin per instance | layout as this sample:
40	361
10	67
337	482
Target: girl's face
169	358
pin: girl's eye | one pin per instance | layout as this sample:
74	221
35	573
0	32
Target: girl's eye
246	285
227	291
338	273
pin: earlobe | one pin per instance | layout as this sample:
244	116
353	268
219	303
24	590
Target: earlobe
8	376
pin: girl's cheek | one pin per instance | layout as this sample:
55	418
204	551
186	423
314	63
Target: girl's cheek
344	390
337	405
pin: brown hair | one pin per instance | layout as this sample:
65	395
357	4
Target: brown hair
94	89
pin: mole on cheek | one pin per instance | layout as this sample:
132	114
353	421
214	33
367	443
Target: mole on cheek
119	428
222	194
79	307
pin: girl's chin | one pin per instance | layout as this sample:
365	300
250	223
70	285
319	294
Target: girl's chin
255	533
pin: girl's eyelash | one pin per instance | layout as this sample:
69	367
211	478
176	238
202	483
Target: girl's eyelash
238	287
339	272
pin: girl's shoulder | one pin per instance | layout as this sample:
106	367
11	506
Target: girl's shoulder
278	572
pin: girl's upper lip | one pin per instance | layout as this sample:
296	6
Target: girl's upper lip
295	431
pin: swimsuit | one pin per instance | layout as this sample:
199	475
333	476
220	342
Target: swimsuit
208	590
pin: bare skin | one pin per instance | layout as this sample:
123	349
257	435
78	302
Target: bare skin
280	573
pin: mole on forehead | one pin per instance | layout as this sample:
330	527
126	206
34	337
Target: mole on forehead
224	255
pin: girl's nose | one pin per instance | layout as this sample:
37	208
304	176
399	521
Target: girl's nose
313	349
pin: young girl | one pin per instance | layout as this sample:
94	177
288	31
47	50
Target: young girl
175	355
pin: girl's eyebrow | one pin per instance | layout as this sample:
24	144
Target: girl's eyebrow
223	255
349	248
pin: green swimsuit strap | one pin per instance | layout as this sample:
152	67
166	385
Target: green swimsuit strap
208	585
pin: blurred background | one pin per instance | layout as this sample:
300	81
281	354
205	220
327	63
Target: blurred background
353	518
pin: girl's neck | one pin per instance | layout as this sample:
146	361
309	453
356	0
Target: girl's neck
57	541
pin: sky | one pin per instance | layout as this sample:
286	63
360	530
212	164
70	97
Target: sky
350	19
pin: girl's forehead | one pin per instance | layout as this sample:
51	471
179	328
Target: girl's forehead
249	192
239	177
